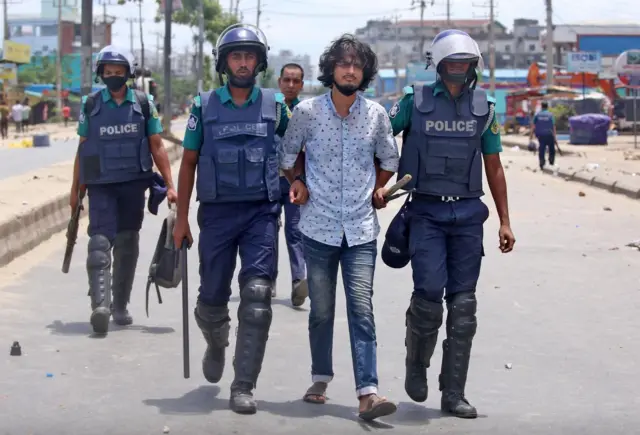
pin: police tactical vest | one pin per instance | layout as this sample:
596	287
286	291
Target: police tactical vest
116	149
544	123
443	151
238	159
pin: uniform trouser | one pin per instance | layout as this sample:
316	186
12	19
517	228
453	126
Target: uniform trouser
445	243
116	212
358	267
546	142
226	229
292	233
446	247
252	230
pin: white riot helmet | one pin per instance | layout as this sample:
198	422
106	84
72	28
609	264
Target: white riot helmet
455	46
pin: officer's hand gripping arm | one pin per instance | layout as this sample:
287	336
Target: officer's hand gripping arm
291	156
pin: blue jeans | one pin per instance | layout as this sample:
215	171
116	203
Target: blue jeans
292	232
358	267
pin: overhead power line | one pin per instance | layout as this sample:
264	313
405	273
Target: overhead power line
334	15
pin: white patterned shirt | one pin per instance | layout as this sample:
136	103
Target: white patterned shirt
339	166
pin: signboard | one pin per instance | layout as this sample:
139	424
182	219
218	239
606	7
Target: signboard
627	67
584	62
176	5
9	73
16	53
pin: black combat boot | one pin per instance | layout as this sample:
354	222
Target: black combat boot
125	259
99	273
254	318
214	324
456	352
423	321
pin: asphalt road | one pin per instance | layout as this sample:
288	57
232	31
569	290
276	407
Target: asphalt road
556	350
17	161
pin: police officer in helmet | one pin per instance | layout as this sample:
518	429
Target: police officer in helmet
119	142
230	142
449	129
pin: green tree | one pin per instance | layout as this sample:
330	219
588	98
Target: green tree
209	81
268	79
215	20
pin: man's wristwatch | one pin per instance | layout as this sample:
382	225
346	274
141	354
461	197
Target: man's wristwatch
301	178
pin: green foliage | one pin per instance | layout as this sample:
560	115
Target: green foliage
43	71
215	20
562	113
209	81
268	79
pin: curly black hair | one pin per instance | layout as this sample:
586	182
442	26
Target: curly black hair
348	46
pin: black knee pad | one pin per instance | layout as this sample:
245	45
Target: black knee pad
255	302
461	316
424	317
99	255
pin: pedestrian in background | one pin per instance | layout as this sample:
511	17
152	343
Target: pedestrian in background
544	128
290	82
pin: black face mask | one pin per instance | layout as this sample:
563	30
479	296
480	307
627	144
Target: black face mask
346	90
114	83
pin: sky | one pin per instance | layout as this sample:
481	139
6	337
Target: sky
308	26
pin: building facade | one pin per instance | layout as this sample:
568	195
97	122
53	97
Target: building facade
608	38
406	41
41	34
277	61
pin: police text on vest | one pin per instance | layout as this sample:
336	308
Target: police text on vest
451	126
113	130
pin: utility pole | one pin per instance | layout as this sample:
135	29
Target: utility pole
492	45
449	13
423	5
396	60
140	20
7	34
492	50
258	13
166	115
201	46
86	33
549	43
131	22
59	58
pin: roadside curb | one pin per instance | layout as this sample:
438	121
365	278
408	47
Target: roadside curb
616	186
510	143
21	233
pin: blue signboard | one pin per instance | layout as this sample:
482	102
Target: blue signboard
584	62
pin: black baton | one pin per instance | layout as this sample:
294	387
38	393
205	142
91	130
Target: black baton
185	310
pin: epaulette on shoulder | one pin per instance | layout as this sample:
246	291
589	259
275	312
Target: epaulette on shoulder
196	101
279	97
408	90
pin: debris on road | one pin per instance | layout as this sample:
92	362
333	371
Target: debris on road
581	193
508	366
606	208
16	350
635	244
166	429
